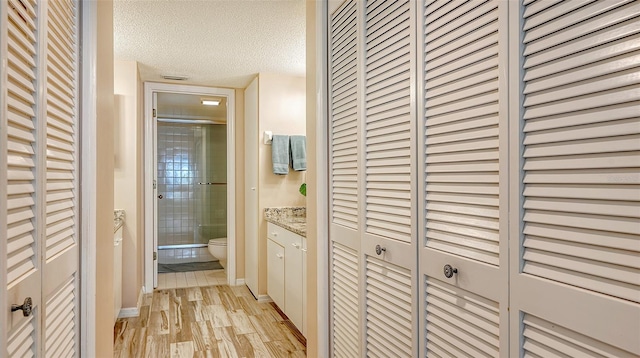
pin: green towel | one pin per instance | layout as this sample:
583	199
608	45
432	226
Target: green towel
280	154
298	152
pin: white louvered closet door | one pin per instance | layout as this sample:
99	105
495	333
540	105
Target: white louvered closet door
575	284
345	144
464	313
387	179
21	266
60	232
372	116
38	139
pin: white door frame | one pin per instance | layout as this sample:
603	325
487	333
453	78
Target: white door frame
321	130
149	158
88	166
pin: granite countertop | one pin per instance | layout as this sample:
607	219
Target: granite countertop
292	218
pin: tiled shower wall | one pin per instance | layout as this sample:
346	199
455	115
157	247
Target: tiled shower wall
192	172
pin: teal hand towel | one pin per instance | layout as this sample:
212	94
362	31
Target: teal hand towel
298	152
280	154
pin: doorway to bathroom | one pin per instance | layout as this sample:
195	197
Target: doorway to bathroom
189	211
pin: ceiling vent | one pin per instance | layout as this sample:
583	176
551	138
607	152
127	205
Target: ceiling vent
175	77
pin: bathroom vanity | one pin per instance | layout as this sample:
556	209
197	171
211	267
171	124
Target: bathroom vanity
287	262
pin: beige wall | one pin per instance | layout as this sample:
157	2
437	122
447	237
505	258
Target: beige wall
312	187
128	175
281	109
239	136
104	181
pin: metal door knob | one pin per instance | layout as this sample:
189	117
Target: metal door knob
26	307
160	196
380	249
449	271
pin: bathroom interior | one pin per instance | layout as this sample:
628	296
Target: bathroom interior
191	157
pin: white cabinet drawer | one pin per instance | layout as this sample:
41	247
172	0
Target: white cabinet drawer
283	236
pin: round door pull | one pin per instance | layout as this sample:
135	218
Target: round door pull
160	196
380	249
26	307
449	271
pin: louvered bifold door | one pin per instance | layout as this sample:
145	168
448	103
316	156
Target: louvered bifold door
388	246
575	284
19	265
344	144
60	239
463	205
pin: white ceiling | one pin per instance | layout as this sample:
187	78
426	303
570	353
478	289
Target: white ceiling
222	43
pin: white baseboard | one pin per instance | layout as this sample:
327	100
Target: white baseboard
239	282
264	299
128	312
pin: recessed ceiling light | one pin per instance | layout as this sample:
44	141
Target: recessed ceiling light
211	102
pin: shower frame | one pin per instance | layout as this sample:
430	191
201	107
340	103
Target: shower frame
189	121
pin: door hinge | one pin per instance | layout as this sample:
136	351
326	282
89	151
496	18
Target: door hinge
155	255
155	183
154	113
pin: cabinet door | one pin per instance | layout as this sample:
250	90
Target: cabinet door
293	276
252	215
304	287
275	273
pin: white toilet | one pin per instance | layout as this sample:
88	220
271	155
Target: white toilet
218	248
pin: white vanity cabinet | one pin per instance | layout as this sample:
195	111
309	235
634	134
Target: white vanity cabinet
285	272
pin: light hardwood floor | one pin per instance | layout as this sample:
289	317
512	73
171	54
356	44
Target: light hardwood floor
209	321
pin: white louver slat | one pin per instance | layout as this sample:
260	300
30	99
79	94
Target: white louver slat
21	102
60	322
61	68
22	342
389	320
462	128
459	323
582	146
388	119
546	339
344	285
344	116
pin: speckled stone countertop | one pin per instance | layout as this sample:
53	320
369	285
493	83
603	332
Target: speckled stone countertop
292	218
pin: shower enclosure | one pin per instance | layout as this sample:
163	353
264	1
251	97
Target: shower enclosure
192	188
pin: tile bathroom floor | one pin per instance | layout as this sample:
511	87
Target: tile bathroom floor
191	279
209	321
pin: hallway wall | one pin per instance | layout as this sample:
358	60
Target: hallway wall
128	174
104	302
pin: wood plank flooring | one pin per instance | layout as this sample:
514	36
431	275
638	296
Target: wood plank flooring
211	321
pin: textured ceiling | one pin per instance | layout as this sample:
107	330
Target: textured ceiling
212	42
